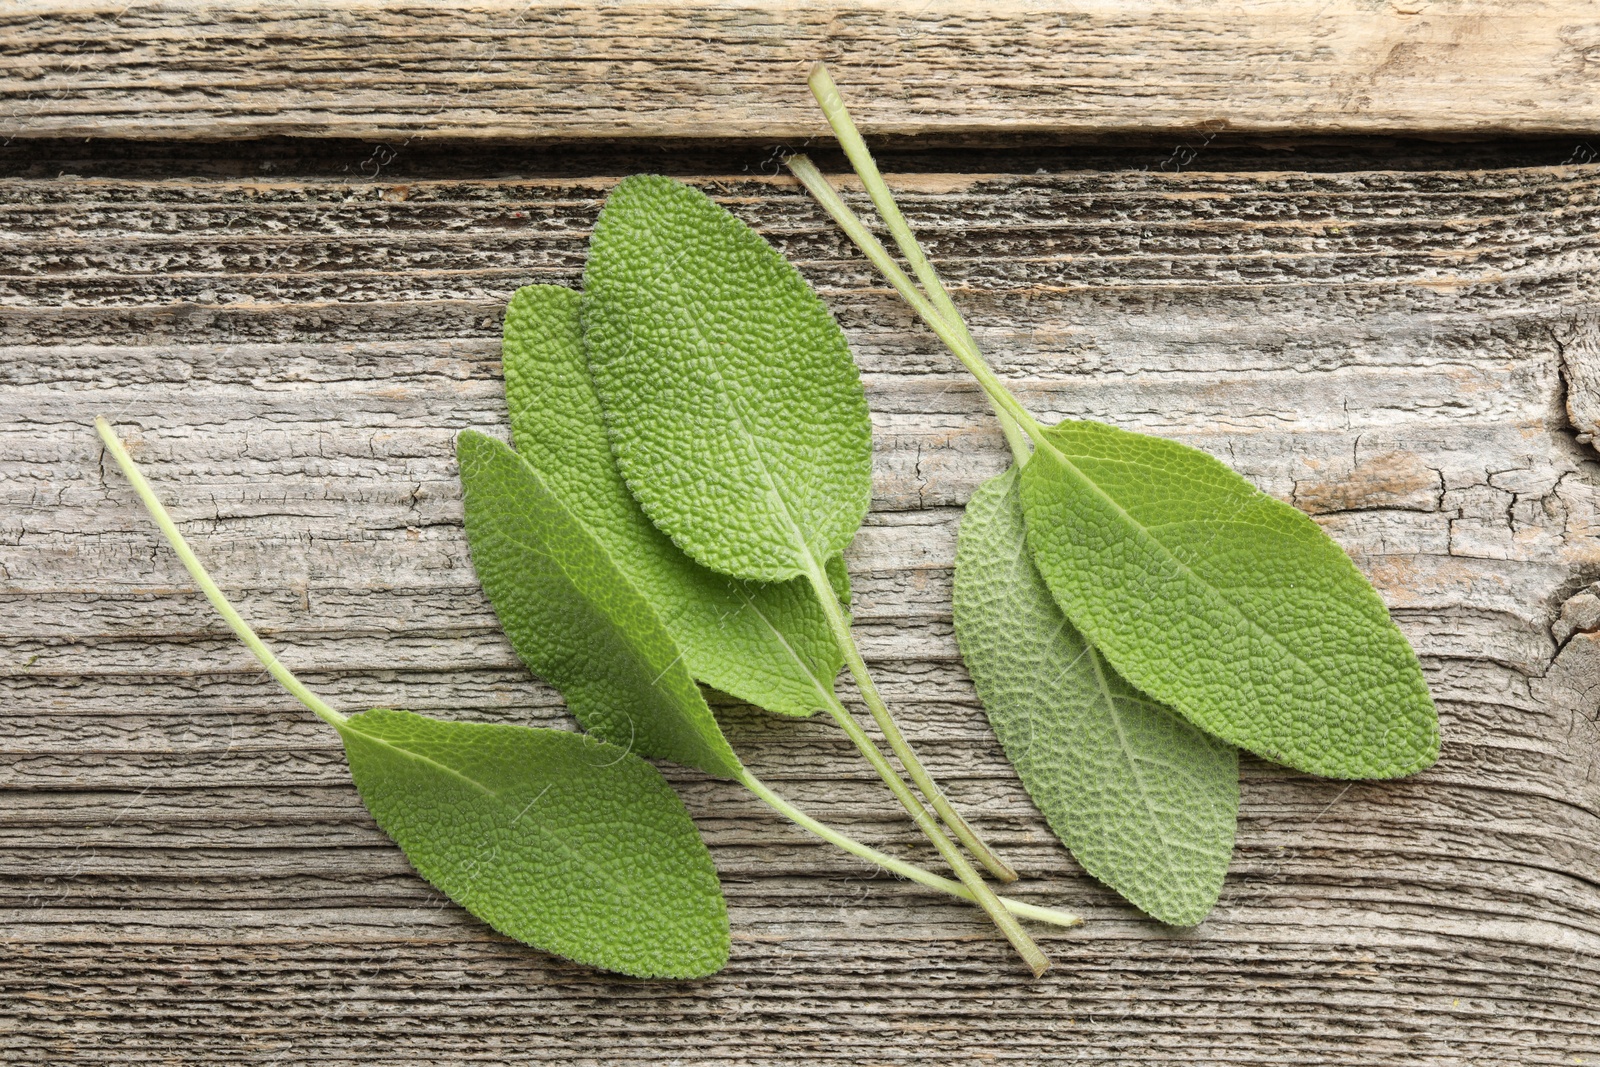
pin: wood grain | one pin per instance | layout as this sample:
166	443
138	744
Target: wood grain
941	71
187	876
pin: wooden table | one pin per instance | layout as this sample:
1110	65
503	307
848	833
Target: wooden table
1351	248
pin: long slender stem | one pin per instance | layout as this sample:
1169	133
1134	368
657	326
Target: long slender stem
839	623
952	335
982	894
957	334
191	563
889	863
866	168
807	172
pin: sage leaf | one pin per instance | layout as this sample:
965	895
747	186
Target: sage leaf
1228	605
767	644
561	841
574	618
735	410
738	420
1146	802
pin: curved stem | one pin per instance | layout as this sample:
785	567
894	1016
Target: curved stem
191	563
983	896
900	867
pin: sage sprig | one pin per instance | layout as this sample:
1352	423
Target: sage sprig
559	840
736	413
564	841
1226	605
748	638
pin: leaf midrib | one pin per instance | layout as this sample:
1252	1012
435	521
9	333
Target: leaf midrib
550	836
626	633
352	725
773	483
823	691
1022	564
1132	761
559	559
1185	568
723	754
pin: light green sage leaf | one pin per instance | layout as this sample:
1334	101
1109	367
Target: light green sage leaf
1145	801
561	841
575	620
767	644
1231	607
735	411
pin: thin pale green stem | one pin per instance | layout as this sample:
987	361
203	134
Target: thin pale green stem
866	168
900	867
839	623
909	759
192	564
955	823
984	897
953	335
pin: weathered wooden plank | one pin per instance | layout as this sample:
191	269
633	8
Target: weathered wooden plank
186	875
509	69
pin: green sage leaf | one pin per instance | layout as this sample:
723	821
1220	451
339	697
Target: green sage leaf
734	408
561	841
574	618
767	644
1146	802
1231	607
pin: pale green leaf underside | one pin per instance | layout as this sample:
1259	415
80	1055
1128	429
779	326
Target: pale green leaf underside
561	841
767	644
735	410
575	620
1231	607
1145	801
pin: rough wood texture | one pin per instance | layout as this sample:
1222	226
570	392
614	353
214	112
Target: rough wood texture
709	68
186	874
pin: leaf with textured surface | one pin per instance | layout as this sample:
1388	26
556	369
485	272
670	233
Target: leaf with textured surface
1145	801
1231	607
735	411
564	842
768	644
575	620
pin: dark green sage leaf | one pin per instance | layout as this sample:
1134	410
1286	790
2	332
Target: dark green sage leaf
575	620
1231	607
569	844
736	413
